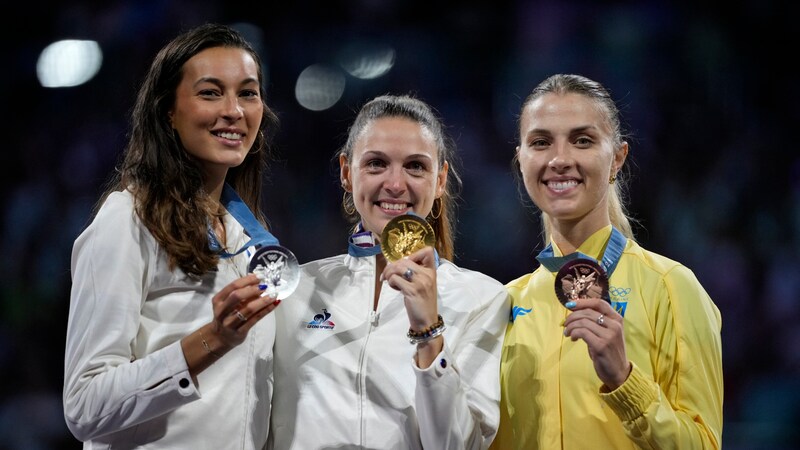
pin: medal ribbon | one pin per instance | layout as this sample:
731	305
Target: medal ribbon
362	243
236	207
608	261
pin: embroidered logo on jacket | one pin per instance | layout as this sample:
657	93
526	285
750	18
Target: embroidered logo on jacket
619	299
518	311
322	321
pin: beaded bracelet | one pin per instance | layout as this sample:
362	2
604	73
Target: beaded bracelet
429	333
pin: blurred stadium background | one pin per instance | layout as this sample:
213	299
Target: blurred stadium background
706	92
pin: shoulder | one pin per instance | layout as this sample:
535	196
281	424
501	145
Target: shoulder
657	264
330	266
115	216
117	205
453	276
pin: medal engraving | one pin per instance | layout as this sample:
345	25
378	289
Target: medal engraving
277	270
404	235
581	278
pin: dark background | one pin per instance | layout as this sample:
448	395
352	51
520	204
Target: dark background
706	92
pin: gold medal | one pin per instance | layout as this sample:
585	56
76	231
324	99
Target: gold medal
404	235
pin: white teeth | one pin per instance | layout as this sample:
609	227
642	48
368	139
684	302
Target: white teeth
561	185
227	135
394	206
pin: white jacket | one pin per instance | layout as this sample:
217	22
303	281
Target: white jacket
345	375
126	382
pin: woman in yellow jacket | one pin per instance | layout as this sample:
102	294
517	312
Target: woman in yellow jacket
634	362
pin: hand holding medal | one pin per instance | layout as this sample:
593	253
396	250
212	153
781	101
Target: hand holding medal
277	270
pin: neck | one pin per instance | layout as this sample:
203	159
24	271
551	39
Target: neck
213	181
569	236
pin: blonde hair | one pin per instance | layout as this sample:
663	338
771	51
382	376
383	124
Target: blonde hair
565	84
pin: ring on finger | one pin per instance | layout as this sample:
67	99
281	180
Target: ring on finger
240	316
600	320
408	274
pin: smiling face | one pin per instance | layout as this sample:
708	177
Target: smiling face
218	108
394	169
566	157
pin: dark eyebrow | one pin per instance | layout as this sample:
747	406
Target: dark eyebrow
219	82
583	129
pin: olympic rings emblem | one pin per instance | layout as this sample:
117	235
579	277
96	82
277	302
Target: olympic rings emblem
619	292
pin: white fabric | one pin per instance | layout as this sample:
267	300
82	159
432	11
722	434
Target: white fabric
349	380
127	384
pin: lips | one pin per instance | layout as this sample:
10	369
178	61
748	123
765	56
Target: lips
561	185
233	136
393	206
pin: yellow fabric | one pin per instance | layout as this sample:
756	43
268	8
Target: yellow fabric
551	396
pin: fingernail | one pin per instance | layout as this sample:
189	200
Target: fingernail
570	304
565	331
563	322
276	302
262	286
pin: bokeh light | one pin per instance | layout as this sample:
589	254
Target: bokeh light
69	63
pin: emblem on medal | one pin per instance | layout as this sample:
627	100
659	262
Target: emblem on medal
277	270
404	235
581	278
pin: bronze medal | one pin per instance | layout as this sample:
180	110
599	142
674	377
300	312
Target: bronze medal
581	278
277	270
404	235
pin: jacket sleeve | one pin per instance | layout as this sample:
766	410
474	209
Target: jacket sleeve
458	396
682	408
105	390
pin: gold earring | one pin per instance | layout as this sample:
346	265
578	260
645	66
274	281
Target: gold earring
351	211
436	216
612	178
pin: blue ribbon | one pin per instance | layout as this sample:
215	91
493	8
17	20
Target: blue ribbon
236	207
608	261
357	249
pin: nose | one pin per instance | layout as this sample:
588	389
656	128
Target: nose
232	109
561	157
395	183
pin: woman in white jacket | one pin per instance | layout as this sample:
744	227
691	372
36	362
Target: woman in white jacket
166	347
346	375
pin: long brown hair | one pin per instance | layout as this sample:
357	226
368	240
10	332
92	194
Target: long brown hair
165	180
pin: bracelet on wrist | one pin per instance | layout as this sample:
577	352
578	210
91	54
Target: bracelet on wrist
428	334
208	347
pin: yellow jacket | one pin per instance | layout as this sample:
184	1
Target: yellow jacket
551	396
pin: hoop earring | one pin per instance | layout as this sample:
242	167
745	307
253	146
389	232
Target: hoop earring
439	214
612	179
349	211
258	144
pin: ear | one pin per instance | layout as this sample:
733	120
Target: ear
619	157
170	113
441	179
344	173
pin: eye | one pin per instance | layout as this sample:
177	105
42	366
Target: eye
538	143
250	93
416	167
209	93
583	142
374	164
